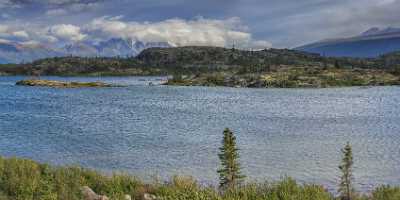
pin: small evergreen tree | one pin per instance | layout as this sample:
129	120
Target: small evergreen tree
229	174
337	64
346	189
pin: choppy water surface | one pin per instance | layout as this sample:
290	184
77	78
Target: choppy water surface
164	130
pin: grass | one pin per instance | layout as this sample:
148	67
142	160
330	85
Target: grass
22	179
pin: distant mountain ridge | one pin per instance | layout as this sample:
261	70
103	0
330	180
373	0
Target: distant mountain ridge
371	43
14	52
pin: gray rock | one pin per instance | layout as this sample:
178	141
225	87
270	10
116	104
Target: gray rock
147	196
128	197
88	194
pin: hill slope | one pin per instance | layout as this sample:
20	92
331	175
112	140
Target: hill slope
372	43
209	66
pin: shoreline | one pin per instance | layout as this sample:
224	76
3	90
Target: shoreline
167	82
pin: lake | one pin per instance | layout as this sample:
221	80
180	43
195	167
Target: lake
162	131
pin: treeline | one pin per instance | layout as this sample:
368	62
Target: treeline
196	60
22	179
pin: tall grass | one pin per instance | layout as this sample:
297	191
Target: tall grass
22	179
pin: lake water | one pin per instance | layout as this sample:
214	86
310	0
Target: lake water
161	130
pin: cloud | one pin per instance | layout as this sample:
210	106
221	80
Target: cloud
21	34
8	4
72	8
7	32
178	32
67	32
290	24
286	23
3	28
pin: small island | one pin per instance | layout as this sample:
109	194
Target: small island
61	84
294	77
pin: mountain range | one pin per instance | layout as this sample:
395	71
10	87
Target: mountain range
371	43
15	52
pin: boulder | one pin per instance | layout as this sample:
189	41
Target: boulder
89	194
128	197
147	196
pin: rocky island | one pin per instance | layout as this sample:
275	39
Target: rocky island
300	77
61	84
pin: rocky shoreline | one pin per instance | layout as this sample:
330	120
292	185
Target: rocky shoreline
291	78
61	84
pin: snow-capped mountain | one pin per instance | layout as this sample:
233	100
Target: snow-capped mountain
377	31
371	43
111	48
14	52
116	47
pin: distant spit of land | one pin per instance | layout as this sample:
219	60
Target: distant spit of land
61	84
215	66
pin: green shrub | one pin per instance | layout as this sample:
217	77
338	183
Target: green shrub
386	193
184	188
22	179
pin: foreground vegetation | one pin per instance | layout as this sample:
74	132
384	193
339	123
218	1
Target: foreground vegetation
215	66
22	179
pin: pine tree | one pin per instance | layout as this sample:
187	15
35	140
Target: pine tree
229	174
346	189
337	64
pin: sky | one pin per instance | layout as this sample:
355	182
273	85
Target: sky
246	23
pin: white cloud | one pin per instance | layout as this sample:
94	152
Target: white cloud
4	41
67	32
21	34
31	43
3	28
179	32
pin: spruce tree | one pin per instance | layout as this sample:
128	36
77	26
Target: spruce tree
346	189
337	64
229	174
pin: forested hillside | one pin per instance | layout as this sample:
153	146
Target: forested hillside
227	67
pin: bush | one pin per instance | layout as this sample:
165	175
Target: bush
386	193
22	179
